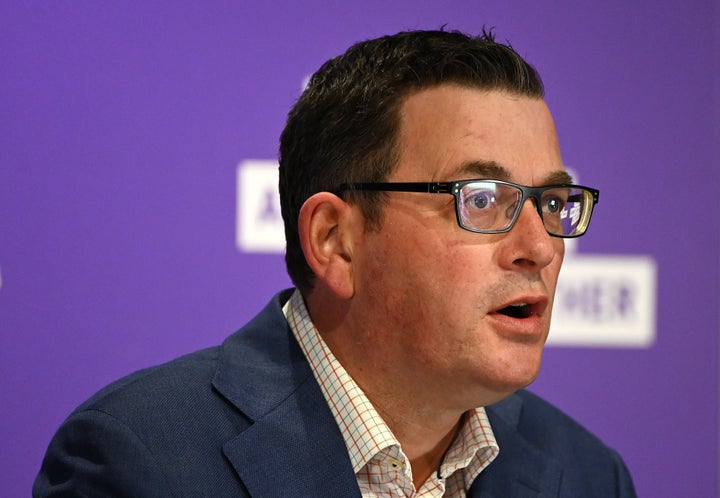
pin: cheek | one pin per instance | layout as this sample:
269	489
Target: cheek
552	271
432	294
404	276
397	273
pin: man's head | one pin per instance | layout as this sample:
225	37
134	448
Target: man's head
344	128
443	301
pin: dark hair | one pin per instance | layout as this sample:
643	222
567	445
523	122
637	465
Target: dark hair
344	127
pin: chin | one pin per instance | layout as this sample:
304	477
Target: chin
511	381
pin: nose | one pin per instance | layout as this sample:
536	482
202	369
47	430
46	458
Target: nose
527	245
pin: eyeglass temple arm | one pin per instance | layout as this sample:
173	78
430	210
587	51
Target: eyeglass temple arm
431	188
581	197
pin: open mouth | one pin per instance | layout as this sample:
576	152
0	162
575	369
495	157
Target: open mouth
519	310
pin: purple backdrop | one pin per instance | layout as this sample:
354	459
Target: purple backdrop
122	127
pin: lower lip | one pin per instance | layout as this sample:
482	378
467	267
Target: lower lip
525	329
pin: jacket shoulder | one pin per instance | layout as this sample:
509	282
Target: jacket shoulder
154	384
549	427
159	431
587	466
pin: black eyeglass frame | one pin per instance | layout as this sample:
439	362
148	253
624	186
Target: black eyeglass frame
453	188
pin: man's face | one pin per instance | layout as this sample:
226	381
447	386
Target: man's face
436	296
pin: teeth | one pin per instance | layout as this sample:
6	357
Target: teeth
519	305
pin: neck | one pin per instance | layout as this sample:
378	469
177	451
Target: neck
421	418
425	437
424	426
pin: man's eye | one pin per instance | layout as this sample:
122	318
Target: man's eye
553	205
480	200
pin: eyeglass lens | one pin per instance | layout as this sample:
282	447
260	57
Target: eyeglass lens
492	206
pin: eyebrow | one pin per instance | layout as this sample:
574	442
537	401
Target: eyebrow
494	170
558	178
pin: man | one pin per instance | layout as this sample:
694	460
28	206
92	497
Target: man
425	206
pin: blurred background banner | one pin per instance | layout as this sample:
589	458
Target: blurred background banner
139	217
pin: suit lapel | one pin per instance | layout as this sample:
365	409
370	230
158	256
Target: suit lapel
521	469
292	445
296	450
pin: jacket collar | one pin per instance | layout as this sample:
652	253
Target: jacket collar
292	446
521	469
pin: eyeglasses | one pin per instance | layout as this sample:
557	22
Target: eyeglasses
493	206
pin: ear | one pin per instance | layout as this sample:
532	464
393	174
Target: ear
328	226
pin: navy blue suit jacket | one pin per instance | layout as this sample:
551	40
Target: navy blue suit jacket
248	419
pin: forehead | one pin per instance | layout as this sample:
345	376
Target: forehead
451	132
